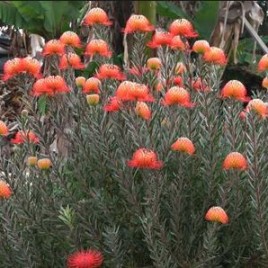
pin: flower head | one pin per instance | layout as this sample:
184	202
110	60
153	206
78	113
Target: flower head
96	16
70	38
263	63
113	105
182	27
234	89
143	110
160	38
12	68
92	85
24	137
3	129
183	145
5	191
154	63
177	80
93	99
44	163
138	23
265	82
31	66
31	161
54	47
235	160
200	85
217	214
85	259
201	46
110	71
258	106
71	60
178	44
98	46
80	81
146	159
215	55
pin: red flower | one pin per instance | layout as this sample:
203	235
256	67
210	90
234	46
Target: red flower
96	16
235	160
184	145
3	129
25	136
85	259
143	110
177	43
71	60
177	80
98	46
159	39
54	47
144	158
31	66
5	191
154	63
215	55
217	214
200	85
92	85
12	68
234	89
113	105
182	27
177	96
201	46
263	63
138	23
70	38
110	71
258	106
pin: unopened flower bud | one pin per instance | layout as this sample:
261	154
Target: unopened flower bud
44	163
93	99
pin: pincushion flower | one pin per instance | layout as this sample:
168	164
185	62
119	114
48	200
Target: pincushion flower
234	89
98	46
235	160
113	105
145	159
178	44
138	23
177	80
93	99
183	145
96	15
44	163
258	106
215	55
54	47
24	137
80	81
154	63
263	63
201	46
3	129
265	82
71	60
92	85
160	38
31	161
177	96
5	191
70	38
12	68
182	27
217	214
143	110
110	71
85	259
31	66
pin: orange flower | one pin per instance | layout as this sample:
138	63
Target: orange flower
80	81
93	99
144	158
31	66
5	191
201	46
138	23
11	68
25	136
110	71
53	47
215	55
71	60
44	163
217	214
177	80
96	16
143	110
263	63
98	46
92	85
177	43
183	145
258	106
180	68
265	82
200	85
3	129
235	160
113	105
70	38
159	39
234	89
154	63
32	161
177	96
182	27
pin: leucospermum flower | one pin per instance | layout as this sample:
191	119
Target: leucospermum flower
93	99
145	159
215	55
96	16
110	71
183	145
160	38
177	96
201	46
154	63
3	129
11	68
54	47
263	63
71	60
98	46
31	66
178	44
32	161
177	80
258	106
265	82
143	110
92	85
85	259
70	38
24	137
182	27
138	23
235	160
217	214
80	81
234	89
5	191
113	105
44	163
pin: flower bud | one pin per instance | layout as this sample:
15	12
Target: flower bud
93	99
44	163
31	161
80	81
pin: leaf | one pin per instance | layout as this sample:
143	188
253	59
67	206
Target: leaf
170	10
42	104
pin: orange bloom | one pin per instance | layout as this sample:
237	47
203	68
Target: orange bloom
263	63
53	47
3	129
96	16
217	214
143	110
98	46
11	68
92	85
25	136
235	160
138	23
234	89
265	82
183	145
154	63
5	191
177	43
201	46
80	81
32	161
93	99
159	39
110	71
258	106
71	60
182	27
70	38
200	85
44	163
180	68
31	66
215	55
144	158
113	105
177	80
177	96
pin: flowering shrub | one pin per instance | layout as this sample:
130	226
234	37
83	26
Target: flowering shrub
153	164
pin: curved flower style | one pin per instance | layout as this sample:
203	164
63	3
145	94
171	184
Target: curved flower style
235	160
182	27
54	47
217	214
71	60
70	38
96	16
92	85
138	23
24	137
178	44
110	71
160	38
234	89
183	145
215	55
98	46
